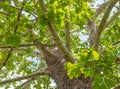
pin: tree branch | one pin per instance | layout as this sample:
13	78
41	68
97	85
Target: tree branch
4	13
33	75
25	84
111	19
19	14
54	34
101	8
67	35
28	45
102	24
3	0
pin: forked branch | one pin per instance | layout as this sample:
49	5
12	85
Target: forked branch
111	19
54	34
101	8
67	33
103	22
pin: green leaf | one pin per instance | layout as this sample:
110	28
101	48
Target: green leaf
95	55
12	39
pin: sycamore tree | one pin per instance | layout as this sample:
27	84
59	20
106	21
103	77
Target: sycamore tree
59	44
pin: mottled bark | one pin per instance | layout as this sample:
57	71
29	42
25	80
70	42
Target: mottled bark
92	29
56	62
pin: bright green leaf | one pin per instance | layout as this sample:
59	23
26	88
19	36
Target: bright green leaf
95	55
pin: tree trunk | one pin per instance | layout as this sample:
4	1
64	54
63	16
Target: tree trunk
56	62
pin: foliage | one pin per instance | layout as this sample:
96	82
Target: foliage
24	60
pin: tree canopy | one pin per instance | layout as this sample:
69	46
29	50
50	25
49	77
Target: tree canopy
87	32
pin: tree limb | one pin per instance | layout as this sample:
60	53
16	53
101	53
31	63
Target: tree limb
15	29
8	56
33	75
27	45
101	8
116	87
25	84
19	14
54	34
3	0
102	23
67	35
111	19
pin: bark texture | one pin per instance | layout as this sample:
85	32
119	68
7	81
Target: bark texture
56	62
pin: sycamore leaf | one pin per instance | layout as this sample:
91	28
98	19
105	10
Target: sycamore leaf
12	39
95	55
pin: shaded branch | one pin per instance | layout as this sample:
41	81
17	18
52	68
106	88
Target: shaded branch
3	0
28	45
111	19
33	75
102	23
54	34
116	43
4	13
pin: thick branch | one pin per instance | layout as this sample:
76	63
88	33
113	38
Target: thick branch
116	87
67	35
27	45
25	84
57	39
102	24
112	18
33	75
101	8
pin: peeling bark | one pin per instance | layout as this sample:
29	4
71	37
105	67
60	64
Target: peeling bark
56	62
92	29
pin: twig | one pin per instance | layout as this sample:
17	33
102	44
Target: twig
4	13
25	84
33	75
